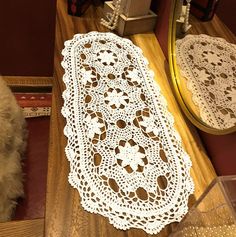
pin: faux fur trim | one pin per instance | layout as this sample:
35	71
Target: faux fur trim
12	145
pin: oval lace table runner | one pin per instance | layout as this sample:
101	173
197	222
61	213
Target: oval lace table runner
209	65
126	159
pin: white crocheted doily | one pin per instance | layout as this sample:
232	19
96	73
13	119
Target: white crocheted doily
126	159
209	65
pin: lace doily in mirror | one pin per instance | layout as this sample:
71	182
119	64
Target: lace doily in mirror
126	159
209	66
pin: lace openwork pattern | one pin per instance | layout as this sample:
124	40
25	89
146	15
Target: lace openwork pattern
126	159
209	65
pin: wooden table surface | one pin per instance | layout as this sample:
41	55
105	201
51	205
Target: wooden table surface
64	215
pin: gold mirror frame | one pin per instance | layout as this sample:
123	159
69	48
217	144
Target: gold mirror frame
175	78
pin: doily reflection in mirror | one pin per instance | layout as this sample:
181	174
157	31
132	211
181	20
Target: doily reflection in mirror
209	66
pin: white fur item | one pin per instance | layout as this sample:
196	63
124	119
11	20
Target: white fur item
12	145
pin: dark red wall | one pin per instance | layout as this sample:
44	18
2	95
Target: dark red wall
162	9
226	11
27	30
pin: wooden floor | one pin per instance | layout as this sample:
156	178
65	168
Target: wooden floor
64	215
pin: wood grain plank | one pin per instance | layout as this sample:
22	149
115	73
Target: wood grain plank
26	228
65	216
214	28
21	81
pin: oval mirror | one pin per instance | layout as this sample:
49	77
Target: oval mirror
202	59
